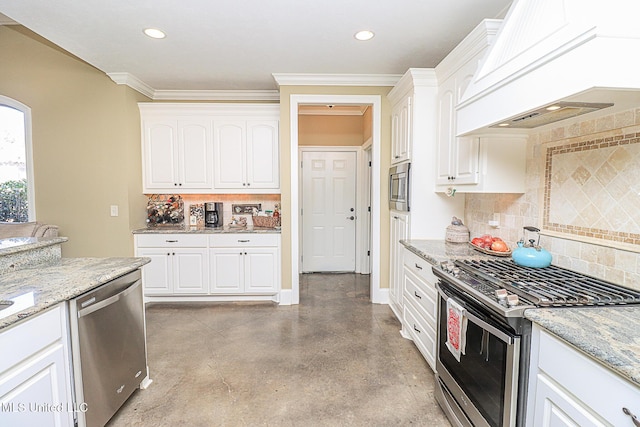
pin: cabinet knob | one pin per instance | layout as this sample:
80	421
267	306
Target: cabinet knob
175	184
396	157
248	184
245	253
244	184
351	217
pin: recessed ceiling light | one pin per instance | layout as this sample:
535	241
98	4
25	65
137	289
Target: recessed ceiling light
364	35
503	124
154	33
553	107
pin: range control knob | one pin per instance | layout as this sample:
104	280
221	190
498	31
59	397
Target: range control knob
512	300
501	294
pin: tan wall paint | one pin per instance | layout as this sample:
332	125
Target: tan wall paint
86	144
367	123
342	131
285	169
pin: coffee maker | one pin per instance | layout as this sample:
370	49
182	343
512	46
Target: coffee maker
213	214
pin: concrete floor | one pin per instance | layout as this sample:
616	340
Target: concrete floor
334	360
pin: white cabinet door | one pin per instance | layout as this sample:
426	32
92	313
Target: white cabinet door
160	150
190	271
260	270
177	155
263	155
229	146
401	131
195	154
399	231
175	271
466	160
226	270
445	152
35	385
157	276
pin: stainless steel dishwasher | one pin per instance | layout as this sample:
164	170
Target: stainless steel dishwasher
108	347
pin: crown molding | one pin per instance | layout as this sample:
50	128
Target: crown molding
193	95
5	20
133	82
293	79
217	95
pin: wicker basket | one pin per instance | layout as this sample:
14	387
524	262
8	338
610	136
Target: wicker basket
265	221
457	234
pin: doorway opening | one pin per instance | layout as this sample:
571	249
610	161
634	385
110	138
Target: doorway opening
328	188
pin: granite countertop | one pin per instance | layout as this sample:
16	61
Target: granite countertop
437	251
45	285
609	335
15	245
204	230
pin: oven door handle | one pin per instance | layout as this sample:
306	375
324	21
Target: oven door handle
481	323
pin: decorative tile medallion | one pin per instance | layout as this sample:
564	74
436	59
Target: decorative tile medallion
592	188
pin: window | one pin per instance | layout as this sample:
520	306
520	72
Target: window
16	172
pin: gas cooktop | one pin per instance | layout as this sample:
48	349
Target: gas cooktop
510	288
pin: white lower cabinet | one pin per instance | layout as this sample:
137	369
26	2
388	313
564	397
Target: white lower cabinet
568	388
200	265
420	305
179	264
399	230
245	263
35	374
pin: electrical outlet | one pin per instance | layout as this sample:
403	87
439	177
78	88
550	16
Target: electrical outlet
114	210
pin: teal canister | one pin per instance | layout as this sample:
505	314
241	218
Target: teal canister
531	254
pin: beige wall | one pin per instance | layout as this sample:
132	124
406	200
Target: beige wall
285	169
343	131
86	144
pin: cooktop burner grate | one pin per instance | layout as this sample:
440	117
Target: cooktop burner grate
551	286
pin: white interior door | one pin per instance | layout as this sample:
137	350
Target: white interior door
328	211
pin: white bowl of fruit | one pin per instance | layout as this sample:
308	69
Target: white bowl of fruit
491	245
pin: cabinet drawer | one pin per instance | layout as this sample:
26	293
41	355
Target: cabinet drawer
31	336
569	368
243	240
422	295
423	335
171	240
419	267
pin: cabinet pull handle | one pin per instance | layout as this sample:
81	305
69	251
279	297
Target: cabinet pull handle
418	267
171	241
633	417
243	241
416	329
416	294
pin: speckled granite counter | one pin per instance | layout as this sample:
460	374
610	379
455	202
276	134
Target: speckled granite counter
609	335
17	253
64	279
203	230
437	251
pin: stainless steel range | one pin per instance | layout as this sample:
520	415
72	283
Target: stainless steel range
487	385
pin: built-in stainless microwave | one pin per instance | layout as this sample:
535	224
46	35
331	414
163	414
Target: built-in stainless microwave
399	187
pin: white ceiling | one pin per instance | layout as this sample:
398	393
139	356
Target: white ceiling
238	45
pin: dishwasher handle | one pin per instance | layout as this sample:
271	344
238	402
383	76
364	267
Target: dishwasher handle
108	301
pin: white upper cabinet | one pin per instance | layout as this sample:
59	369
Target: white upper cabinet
205	148
473	164
246	155
401	131
177	155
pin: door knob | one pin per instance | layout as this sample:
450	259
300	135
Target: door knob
351	217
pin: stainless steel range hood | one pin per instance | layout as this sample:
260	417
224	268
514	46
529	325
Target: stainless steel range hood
550	114
569	53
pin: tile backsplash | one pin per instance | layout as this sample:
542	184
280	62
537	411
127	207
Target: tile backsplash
268	202
582	191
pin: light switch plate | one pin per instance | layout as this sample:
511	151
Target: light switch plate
114	210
